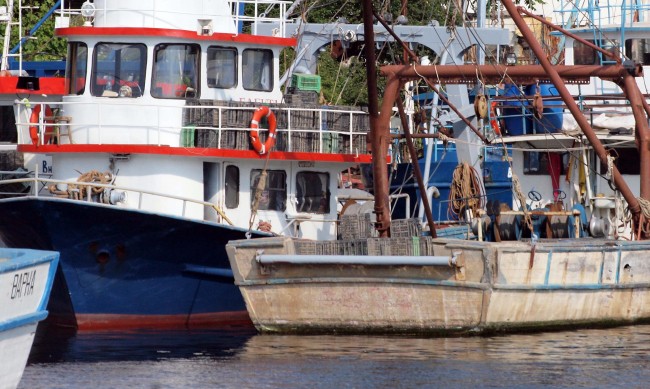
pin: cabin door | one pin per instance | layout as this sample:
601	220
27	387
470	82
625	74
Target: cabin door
211	189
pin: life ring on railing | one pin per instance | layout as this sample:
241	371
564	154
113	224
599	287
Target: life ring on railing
494	122
33	124
261	112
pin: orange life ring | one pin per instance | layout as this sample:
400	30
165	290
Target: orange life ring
34	120
261	112
494	122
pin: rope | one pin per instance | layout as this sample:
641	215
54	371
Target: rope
645	206
466	192
516	187
78	192
261	184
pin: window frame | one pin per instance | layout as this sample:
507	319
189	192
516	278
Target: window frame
195	85
318	204
245	67
228	184
72	65
210	51
271	191
118	79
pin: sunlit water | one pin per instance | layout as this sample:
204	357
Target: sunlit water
605	358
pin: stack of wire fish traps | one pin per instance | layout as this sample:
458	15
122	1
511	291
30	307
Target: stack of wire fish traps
405	228
403	246
301	97
358	237
356	226
331	247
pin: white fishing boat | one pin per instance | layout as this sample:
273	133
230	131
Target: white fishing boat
573	254
176	134
26	278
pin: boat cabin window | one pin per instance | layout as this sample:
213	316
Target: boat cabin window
175	71
312	192
232	186
257	69
76	67
540	163
274	194
222	67
585	55
626	161
119	69
638	50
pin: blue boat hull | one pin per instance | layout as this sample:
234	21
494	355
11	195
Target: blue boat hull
129	269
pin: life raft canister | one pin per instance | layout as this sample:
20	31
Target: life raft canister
34	120
261	112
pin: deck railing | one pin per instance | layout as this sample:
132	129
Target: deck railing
110	194
205	124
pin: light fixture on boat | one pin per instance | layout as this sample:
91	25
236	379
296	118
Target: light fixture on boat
205	27
511	59
88	13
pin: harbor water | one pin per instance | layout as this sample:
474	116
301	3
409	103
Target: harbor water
595	358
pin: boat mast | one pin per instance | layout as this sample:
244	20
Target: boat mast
379	130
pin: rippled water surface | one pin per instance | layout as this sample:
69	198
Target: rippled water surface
604	358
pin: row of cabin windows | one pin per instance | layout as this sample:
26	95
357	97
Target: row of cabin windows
312	194
637	50
119	69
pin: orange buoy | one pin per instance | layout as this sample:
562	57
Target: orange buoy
261	112
34	120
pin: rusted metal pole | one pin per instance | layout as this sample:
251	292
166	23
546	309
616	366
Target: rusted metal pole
495	74
555	77
380	168
641	132
416	167
379	130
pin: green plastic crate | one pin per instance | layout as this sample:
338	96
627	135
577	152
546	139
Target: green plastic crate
306	82
187	136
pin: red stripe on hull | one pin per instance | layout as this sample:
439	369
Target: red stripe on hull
221	320
193	152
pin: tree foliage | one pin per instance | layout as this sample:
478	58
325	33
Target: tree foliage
42	45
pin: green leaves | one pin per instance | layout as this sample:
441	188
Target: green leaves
46	47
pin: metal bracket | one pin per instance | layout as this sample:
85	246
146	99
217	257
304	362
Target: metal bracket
457	260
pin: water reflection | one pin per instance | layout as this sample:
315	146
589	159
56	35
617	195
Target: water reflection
61	345
586	358
605	344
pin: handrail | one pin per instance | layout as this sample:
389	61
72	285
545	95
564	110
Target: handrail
36	180
157	131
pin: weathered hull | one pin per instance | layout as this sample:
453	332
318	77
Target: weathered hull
496	287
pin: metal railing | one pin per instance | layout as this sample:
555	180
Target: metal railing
39	184
319	136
